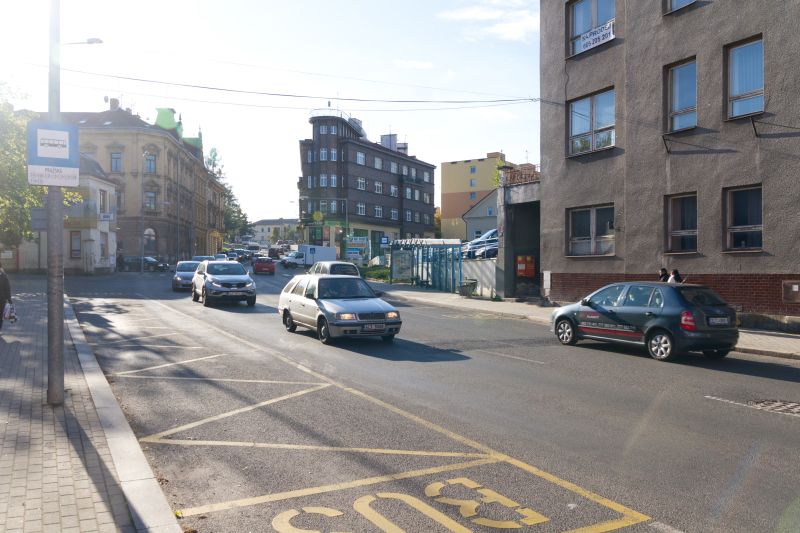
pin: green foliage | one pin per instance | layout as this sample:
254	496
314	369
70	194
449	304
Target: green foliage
235	219
375	272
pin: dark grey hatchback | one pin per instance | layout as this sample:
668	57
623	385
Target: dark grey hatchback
668	319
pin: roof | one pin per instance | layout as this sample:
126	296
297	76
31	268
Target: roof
116	118
91	167
481	203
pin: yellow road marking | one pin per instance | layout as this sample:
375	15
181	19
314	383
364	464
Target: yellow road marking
362	505
128	372
157	436
282	523
279	496
233	380
312	447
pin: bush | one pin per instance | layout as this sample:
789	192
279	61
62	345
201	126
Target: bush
375	272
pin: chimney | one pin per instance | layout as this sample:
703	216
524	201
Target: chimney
113	104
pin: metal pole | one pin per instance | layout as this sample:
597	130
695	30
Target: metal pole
141	212
55	234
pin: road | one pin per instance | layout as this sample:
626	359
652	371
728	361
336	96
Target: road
468	421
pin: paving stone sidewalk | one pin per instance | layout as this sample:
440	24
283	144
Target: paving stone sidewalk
56	470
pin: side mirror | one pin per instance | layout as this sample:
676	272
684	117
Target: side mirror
585	302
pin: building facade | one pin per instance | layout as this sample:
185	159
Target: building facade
167	203
668	145
463	184
482	216
270	230
368	190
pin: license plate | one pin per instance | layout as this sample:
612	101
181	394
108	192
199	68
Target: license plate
374	327
718	321
236	293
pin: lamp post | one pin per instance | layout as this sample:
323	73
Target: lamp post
145	155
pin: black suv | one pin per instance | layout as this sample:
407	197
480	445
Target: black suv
666	318
134	264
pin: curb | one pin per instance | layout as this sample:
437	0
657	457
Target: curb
756	351
148	506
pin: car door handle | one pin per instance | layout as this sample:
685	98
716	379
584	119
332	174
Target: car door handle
612	312
648	313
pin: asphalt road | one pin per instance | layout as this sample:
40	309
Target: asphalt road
468	421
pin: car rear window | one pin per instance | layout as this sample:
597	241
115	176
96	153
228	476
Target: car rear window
700	296
345	270
187	267
263	260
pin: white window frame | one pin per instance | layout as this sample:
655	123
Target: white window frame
592	133
730	229
310	157
378	163
361	158
333	207
416	195
395	214
333	154
408	215
671	222
413	172
323	180
393	168
593	238
323	154
361	208
671	5
408	193
323	129
426	198
426	176
361	184
405	170
744	96
332	129
394	190
333	180
378	211
416	217
323	208
378	187
310	182
426	218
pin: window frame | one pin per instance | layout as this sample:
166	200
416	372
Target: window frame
671	114
150	164
361	158
148	206
323	129
378	211
426	176
333	154
731	99
593	238
378	187
323	180
395	214
333	180
672	233
730	229
669	6
74	252
570	18
116	162
361	208
408	215
394	191
593	133
361	184
323	154
377	162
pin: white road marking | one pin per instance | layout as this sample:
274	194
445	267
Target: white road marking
756	407
145	337
664	527
169	364
498	354
232	380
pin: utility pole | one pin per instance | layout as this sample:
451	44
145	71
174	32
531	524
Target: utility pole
55	232
142	162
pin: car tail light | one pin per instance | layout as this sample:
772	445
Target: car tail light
687	321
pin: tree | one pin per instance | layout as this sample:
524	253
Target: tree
235	219
276	234
437	223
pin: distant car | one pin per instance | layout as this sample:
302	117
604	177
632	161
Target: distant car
468	249
263	265
233	256
184	272
487	251
337	306
666	318
151	264
222	281
220	257
199	258
335	267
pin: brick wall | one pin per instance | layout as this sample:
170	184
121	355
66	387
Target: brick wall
749	293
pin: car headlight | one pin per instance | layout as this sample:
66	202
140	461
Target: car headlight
392	314
346	316
216	284
250	285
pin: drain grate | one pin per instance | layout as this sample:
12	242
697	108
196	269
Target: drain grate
776	406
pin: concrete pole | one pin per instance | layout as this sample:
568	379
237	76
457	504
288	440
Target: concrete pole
55	234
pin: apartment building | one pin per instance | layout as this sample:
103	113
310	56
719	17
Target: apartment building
464	183
670	139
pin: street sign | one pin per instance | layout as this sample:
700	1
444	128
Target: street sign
312	251
53	157
384	240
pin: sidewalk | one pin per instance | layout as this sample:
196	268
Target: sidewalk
58	466
772	343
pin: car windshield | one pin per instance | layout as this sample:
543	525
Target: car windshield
225	269
148	258
189	266
347	270
700	296
335	288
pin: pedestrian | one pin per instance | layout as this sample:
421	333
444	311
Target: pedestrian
675	277
120	261
663	275
5	294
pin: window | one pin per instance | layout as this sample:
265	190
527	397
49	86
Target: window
378	211
323	129
394	191
300	288
116	162
473	169
408	215
379	187
746	79
393	167
490	211
608	297
310	156
311	289
361	159
426	176
473	182
682	224
408	193
323	154
591	123
674	5
361	209
379	163
333	207
416	216
416	195
591	231
426	197
323	208
478	233
473	196
637	296
361	184
683	96
150	201
333	154
323	180
333	180
150	242
586	16
413	172
405	170
310	182
744	219
332	129
395	214
427	219
103	197
150	164
75	244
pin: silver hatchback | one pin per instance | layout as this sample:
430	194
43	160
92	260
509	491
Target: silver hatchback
184	272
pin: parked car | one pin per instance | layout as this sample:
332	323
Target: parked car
220	257
337	306
233	256
184	272
668	319
335	267
151	264
263	264
488	250
199	258
274	253
222	281
468	250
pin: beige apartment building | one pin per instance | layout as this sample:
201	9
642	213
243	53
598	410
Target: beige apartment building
464	184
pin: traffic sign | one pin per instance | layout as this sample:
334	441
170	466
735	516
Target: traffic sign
53	156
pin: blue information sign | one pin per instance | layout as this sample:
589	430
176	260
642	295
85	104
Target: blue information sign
53	154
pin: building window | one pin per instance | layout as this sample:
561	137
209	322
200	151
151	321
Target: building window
416	195
426	219
149	164
426	176
746	79
333	129
408	193
394	191
379	163
587	21
591	123
333	154
361	184
150	200
393	167
473	182
405	170
674	5
395	214
323	180
591	231
361	159
103	197
426	198
333	207
310	156
310	182
490	211
333	180
413	172
150	241
408	215
75	244
744	219
379	187
683	96
378	211
323	129
473	169
323	208
682	223
416	216
323	154
473	196
116	162
361	208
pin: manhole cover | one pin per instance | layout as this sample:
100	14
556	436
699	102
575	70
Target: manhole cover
777	406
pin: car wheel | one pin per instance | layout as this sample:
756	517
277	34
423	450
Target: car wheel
288	323
565	332
716	354
251	302
661	346
387	338
323	331
206	302
195	296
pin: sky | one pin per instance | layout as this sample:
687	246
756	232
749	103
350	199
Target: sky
450	51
